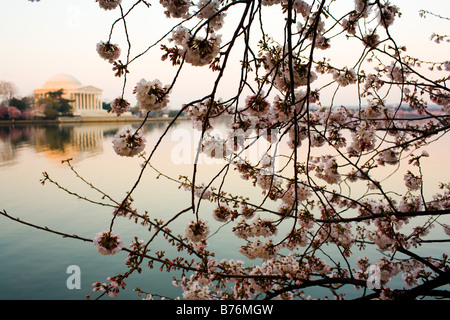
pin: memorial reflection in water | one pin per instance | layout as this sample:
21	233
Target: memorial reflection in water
55	141
33	263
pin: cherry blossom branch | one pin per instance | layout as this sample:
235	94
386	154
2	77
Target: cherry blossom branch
315	195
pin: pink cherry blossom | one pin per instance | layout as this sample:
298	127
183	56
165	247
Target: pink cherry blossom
108	243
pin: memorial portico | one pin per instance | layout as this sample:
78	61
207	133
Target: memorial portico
85	100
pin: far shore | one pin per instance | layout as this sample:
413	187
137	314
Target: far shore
61	120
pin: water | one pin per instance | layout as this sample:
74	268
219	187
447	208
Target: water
33	263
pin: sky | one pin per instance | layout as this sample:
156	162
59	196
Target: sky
42	39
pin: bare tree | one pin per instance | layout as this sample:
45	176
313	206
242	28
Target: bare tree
8	90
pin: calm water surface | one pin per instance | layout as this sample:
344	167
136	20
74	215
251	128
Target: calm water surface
33	263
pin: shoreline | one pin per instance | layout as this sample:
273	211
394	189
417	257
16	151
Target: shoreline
63	120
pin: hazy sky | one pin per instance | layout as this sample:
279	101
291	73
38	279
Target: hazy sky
41	39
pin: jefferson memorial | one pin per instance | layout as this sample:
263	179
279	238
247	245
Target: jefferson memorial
86	100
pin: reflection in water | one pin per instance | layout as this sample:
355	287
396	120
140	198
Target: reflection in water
55	141
61	141
10	139
35	266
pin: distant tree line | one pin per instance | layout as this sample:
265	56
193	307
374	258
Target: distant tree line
11	106
152	114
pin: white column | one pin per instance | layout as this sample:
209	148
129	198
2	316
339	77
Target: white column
74	109
75	105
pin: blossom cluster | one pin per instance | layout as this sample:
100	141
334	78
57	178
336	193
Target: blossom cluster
197	51
119	106
108	243
151	95
296	193
283	107
385	15
254	280
108	51
203	112
112	288
128	142
345	77
108	4
209	10
197	231
258	228
176	8
258	249
214	147
277	65
412	181
326	168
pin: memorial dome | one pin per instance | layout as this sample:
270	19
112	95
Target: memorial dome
86	100
62	81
